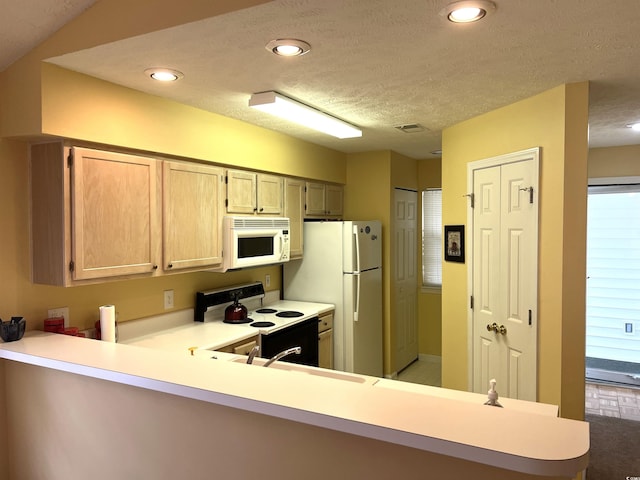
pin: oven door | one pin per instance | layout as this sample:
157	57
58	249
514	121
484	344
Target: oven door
303	334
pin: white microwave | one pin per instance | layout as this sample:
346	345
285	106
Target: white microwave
254	241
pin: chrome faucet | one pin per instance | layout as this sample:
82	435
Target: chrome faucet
288	351
252	354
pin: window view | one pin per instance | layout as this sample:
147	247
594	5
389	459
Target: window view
432	238
613	284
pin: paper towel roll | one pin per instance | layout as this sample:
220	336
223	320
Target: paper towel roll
108	323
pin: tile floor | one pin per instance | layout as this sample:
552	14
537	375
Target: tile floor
600	399
612	401
425	371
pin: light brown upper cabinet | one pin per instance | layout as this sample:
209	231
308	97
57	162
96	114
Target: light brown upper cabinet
95	214
294	210
253	193
192	208
323	200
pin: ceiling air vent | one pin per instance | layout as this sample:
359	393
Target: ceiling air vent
410	128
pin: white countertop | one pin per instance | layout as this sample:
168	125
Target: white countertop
213	333
503	437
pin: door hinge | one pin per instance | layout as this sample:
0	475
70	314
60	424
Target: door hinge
471	302
226	179
70	159
530	317
72	266
226	202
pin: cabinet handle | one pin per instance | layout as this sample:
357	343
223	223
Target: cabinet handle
262	209
170	265
255	209
155	267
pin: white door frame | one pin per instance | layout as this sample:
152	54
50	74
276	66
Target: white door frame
528	154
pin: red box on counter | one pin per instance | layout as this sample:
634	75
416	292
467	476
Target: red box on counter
54	325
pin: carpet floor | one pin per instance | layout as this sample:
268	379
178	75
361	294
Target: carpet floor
615	448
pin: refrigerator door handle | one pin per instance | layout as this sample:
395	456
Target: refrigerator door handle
357	299
357	243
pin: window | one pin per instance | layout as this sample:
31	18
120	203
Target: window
432	238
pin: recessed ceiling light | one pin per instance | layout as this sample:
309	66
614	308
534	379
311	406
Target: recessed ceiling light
288	47
634	126
468	11
164	74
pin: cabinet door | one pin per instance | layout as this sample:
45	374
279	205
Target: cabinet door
241	191
325	321
192	215
333	200
269	194
294	209
325	349
115	214
315	201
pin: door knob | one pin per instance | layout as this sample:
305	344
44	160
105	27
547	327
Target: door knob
492	327
502	330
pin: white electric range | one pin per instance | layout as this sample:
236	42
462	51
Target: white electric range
268	318
281	325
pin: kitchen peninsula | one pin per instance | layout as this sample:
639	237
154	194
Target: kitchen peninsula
80	408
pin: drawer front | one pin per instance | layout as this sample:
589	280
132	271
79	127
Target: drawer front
245	348
325	322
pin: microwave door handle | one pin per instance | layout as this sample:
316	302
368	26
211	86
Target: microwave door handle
281	245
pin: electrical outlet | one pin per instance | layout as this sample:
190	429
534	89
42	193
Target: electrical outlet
59	312
628	328
267	280
168	299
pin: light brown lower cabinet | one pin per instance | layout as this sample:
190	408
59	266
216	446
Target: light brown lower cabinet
325	340
242	347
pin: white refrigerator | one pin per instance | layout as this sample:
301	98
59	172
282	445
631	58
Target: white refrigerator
342	265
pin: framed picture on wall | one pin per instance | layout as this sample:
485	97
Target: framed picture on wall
454	243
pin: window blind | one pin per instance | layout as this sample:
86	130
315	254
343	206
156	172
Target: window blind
432	237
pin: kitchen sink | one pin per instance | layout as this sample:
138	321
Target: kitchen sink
320	372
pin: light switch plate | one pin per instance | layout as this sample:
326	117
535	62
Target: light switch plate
59	312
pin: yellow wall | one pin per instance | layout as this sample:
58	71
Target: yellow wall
104	22
614	162
429	302
555	120
85	108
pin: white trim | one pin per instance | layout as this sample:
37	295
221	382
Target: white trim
522	155
612	180
432	290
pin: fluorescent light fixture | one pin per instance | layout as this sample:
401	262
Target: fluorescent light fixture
468	11
164	74
283	107
634	126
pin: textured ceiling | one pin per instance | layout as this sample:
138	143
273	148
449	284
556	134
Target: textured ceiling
26	23
382	63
